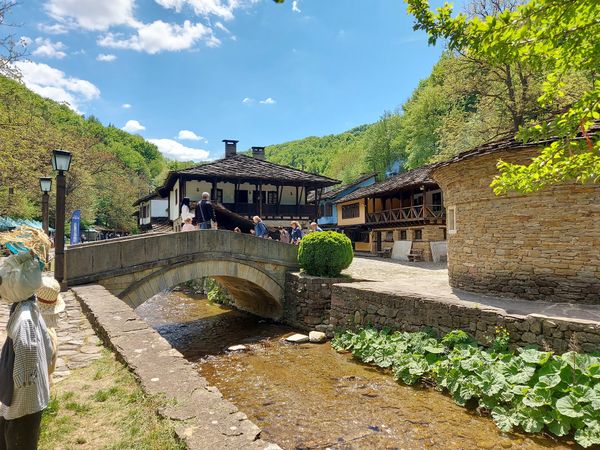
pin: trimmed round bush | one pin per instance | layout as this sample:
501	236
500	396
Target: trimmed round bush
325	253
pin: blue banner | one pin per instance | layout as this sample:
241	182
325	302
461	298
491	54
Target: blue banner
75	227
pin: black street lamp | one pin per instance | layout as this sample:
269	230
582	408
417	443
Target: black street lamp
45	186
61	161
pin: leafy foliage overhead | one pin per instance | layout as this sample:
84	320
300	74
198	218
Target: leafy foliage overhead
553	37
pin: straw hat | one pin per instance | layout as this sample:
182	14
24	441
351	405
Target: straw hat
49	298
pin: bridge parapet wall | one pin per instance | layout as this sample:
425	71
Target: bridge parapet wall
90	263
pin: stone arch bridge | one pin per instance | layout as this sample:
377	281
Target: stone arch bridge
137	268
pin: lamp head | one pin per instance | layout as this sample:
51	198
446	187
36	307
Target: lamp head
61	160
45	184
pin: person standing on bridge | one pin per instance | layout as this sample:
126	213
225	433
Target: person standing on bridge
185	208
260	229
205	212
296	233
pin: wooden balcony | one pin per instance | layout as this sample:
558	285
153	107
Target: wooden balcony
272	211
409	215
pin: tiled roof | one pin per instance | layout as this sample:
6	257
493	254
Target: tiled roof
150	196
334	191
393	184
241	167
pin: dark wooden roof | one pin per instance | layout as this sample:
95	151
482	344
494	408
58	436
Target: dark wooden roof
394	184
150	196
507	145
334	191
247	169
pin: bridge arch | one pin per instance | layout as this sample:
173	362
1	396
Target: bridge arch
135	269
252	289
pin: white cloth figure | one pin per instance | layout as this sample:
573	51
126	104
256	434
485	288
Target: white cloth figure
20	276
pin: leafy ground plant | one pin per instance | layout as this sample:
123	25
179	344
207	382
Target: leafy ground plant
526	388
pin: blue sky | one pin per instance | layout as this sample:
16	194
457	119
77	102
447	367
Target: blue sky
186	74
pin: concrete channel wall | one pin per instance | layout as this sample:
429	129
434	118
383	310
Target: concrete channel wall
205	420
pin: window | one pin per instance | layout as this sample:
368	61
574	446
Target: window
389	236
272	198
258	196
403	235
241	196
219	196
451	219
328	209
350	211
418	235
436	201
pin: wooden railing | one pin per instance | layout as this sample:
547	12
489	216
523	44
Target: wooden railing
408	214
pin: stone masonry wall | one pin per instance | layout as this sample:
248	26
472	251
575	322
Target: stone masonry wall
308	301
355	305
541	246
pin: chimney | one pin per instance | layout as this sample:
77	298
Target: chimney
258	152
230	148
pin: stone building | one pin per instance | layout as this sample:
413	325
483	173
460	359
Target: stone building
406	207
540	246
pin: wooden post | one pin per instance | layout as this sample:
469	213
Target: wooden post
213	194
424	205
260	201
297	203
279	195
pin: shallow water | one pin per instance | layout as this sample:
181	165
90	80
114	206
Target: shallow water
311	397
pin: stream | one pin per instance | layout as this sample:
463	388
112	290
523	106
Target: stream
308	396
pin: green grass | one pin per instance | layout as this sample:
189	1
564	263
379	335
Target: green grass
102	407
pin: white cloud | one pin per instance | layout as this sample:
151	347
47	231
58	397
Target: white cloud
92	14
133	126
105	57
219	8
295	7
189	136
248	101
268	101
159	36
56	28
48	49
126	106
174	150
53	83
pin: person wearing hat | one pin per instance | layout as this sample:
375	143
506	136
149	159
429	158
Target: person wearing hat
25	357
51	304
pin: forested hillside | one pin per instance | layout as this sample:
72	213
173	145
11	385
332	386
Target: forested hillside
109	170
463	103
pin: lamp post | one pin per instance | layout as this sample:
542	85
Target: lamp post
45	186
61	161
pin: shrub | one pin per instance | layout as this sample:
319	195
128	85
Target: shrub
325	253
525	388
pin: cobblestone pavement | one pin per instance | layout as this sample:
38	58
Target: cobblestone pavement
432	279
78	345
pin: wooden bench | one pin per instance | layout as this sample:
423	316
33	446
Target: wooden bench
385	253
415	255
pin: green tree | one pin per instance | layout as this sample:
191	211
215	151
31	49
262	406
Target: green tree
551	37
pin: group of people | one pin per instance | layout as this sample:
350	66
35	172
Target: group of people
28	356
203	216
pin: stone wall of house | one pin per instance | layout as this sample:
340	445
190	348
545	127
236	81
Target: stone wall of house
355	305
307	301
541	246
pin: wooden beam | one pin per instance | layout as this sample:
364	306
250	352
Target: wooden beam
260	201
